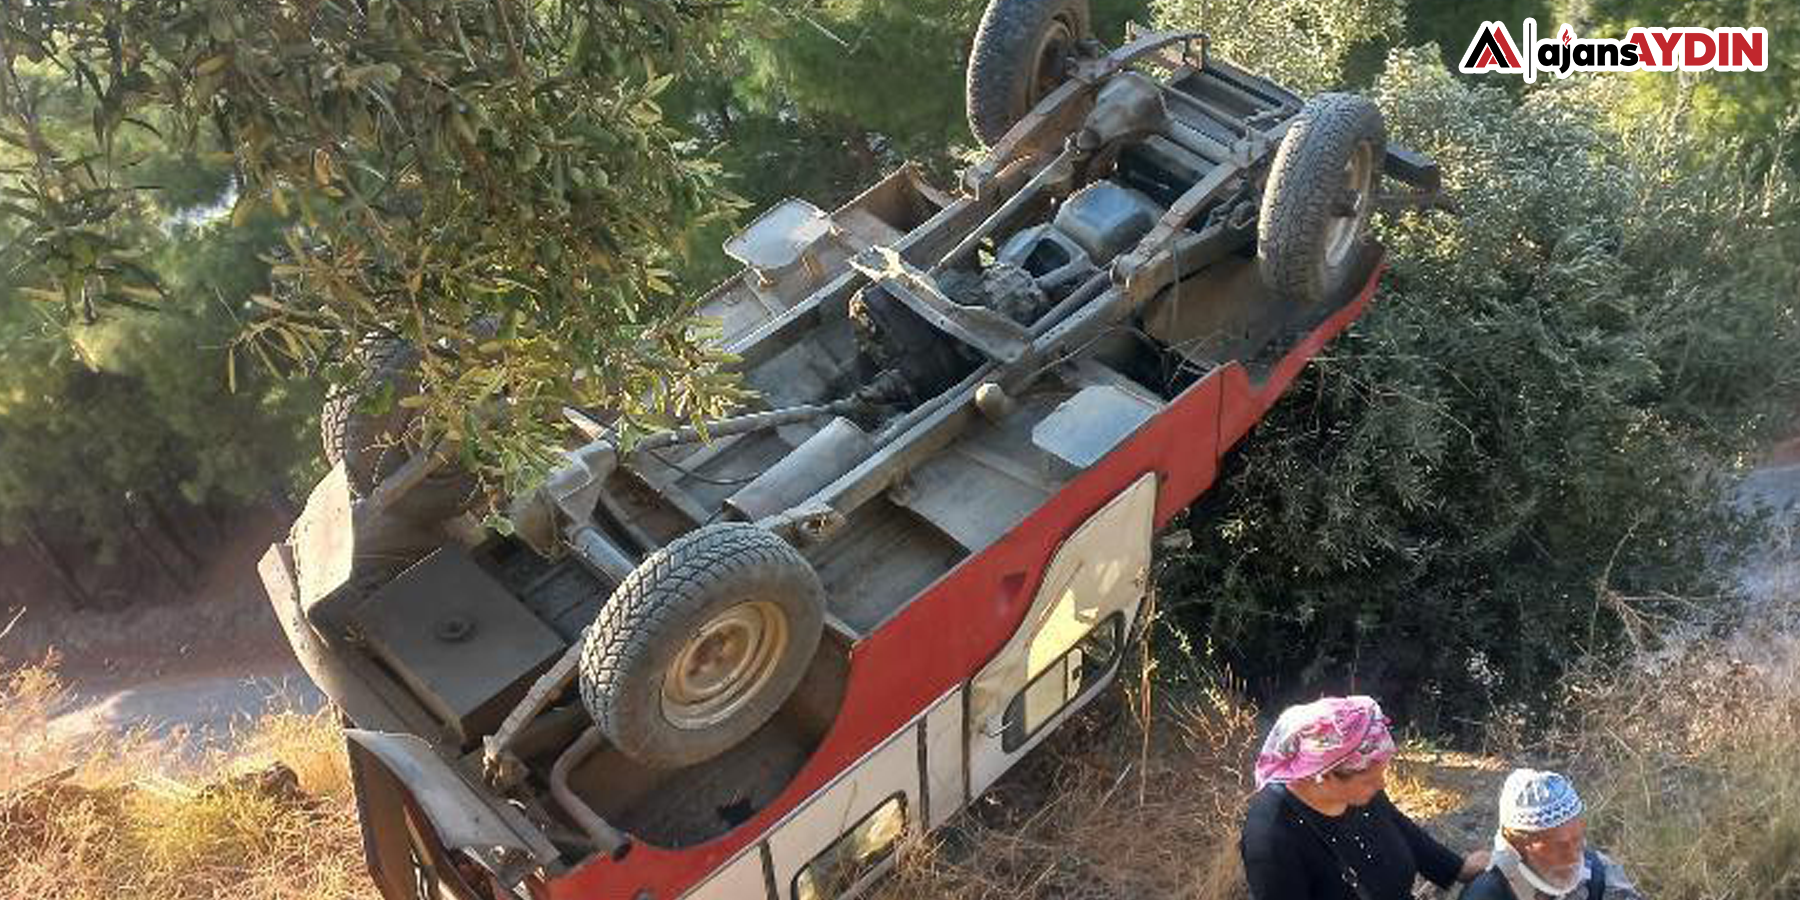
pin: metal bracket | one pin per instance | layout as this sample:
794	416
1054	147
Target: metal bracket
1420	174
996	336
1187	39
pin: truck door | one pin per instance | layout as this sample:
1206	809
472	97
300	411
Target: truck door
1072	638
843	838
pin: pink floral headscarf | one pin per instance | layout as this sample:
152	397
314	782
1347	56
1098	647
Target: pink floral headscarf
1314	738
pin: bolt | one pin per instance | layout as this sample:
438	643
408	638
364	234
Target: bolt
992	402
453	629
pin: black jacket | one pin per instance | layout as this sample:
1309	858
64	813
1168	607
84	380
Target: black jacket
1492	885
1288	850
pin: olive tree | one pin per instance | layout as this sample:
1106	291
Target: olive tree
1517	459
492	182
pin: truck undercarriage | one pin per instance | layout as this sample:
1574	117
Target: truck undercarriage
933	524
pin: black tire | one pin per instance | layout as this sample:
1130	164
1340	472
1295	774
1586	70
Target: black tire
372	445
657	615
1313	228
1018	57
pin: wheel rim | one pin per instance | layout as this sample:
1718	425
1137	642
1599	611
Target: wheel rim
1344	230
1053	52
724	664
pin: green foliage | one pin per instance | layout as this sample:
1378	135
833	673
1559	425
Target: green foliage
1724	104
448	169
1531	423
1305	46
891	67
1451	25
138	403
888	66
98	409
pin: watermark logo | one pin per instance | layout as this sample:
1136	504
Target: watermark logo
1641	50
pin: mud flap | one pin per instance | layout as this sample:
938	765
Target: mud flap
423	825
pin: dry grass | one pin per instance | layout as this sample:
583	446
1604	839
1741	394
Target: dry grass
110	819
1688	755
1418	788
27	696
1105	810
1692	772
1686	759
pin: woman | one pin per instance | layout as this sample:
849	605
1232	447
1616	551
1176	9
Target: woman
1319	826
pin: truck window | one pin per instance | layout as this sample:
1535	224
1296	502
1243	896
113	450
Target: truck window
855	854
1061	682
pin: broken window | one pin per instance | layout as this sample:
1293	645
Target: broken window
855	855
1060	683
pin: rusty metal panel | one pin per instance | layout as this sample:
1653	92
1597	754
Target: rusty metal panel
780	237
464	645
941	492
1090	424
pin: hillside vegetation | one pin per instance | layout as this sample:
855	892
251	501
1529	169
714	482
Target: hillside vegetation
1539	411
1684	755
1495	503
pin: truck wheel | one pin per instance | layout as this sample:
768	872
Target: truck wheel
371	445
1321	189
701	644
1020	55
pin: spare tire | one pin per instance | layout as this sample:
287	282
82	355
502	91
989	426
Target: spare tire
371	445
1314	222
701	644
1021	53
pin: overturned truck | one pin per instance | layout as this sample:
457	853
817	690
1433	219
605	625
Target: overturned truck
743	661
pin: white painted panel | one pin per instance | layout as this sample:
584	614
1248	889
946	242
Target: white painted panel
891	769
740	879
988	760
944	748
1101	569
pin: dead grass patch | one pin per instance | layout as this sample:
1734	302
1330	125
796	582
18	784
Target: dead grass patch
107	819
1416	788
1690	768
1105	810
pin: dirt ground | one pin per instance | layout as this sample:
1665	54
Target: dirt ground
1455	795
191	669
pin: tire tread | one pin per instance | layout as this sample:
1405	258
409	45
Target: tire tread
671	584
1299	191
997	60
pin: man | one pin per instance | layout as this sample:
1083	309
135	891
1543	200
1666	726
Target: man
1540	849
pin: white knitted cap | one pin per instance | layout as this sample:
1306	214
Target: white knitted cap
1532	800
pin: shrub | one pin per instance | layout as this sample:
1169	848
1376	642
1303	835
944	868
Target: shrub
1542	402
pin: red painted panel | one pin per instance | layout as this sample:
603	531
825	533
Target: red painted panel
960	621
1245	402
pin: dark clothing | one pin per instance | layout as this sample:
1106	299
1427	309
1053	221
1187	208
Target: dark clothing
1286	857
1489	885
1492	884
